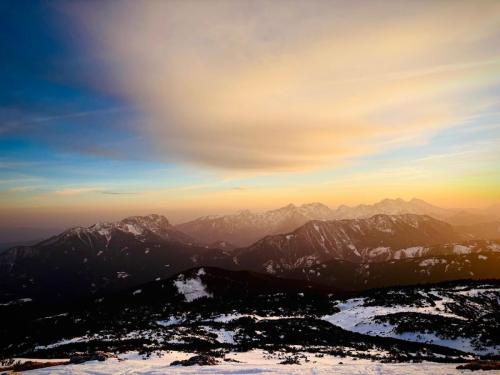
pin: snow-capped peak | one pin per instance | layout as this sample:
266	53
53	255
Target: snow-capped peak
133	225
390	207
246	227
136	225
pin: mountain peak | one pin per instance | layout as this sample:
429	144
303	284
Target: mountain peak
148	220
245	227
244	213
392	200
132	225
354	240
390	206
317	205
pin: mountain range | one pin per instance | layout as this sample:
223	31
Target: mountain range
354	240
392	286
101	258
109	257
246	227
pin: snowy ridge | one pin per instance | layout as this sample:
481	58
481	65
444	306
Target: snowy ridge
140	227
135	225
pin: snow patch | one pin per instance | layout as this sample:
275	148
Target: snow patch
16	302
430	262
357	317
172	321
461	249
192	288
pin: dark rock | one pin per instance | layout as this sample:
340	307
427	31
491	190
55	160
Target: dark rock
290	361
480	365
202	360
97	356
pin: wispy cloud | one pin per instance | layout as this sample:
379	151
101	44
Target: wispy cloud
293	85
11	125
117	192
21	189
86	190
76	191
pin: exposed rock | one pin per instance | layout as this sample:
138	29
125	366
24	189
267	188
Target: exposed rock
480	365
201	360
97	356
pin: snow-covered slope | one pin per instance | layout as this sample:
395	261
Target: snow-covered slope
138	226
477	261
459	317
357	240
251	362
242	311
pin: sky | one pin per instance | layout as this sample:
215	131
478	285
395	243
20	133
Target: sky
113	108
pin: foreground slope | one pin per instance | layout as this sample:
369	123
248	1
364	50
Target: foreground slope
209	310
251	362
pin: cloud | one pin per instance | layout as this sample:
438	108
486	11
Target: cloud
5	127
85	190
117	193
76	191
263	85
21	189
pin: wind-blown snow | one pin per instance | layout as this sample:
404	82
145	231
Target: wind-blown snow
63	342
192	288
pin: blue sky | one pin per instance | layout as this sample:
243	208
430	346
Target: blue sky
110	108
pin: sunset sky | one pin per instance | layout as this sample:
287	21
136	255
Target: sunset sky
194	107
